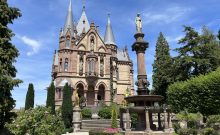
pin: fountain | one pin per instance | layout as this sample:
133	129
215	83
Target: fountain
145	105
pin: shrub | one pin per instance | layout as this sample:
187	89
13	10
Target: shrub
212	120
209	131
38	121
114	117
187	131
199	94
86	113
134	120
105	112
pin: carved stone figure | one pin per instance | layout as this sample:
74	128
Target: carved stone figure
81	64
138	23
76	96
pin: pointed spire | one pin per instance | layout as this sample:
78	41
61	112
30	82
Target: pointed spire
83	24
109	36
69	19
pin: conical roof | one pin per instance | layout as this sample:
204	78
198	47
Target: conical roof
69	20
109	36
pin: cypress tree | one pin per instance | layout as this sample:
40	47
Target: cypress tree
29	103
162	66
8	54
67	107
51	98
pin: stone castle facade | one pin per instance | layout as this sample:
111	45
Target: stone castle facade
92	64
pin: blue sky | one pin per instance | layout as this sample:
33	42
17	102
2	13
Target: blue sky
38	29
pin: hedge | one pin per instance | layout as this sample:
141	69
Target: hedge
199	94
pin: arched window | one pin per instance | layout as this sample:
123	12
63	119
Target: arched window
61	64
59	93
101	66
66	65
67	43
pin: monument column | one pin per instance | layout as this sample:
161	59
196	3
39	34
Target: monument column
140	47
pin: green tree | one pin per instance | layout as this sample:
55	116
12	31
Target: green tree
29	103
37	121
67	106
162	67
8	55
186	63
51	97
199	54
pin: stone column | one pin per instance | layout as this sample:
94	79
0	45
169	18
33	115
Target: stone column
96	98
147	120
140	47
165	120
127	121
76	118
159	122
170	122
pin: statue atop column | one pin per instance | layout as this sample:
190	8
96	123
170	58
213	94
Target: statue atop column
138	22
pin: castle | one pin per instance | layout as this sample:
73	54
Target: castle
92	64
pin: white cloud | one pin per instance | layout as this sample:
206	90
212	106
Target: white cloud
168	15
34	44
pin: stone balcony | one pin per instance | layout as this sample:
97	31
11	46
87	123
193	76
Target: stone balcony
91	76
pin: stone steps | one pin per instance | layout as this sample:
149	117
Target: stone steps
96	124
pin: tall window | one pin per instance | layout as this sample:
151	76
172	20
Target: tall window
67	43
60	64
59	93
66	65
101	66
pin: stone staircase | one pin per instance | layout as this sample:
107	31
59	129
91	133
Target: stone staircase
96	124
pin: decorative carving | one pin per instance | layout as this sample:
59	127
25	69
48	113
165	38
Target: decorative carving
142	83
76	96
81	65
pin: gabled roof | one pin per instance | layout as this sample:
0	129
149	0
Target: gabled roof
122	55
83	24
109	36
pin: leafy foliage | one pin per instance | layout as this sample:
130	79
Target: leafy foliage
67	106
51	98
8	54
38	121
86	113
199	94
162	67
105	112
29	103
114	117
199	54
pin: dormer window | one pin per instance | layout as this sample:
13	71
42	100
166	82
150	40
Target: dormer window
67	43
66	65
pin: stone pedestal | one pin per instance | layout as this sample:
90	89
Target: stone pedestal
126	121
77	120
